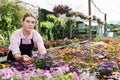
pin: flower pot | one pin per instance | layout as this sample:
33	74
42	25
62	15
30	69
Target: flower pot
102	78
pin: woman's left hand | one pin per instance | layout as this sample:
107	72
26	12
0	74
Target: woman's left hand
26	58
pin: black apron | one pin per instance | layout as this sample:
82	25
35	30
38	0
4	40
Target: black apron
24	49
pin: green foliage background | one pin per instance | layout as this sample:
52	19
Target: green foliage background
10	17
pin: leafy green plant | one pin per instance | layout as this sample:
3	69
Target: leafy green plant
46	30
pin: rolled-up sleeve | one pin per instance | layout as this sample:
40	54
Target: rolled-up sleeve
14	43
40	43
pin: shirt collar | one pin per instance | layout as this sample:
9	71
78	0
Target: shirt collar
22	36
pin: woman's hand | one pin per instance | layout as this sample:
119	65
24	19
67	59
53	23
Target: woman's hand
26	58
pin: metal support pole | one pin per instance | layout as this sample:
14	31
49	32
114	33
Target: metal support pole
89	10
105	26
39	19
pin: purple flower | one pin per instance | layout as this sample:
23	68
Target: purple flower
76	54
46	73
5	75
109	69
47	64
101	68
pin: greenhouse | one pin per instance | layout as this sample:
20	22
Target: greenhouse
59	40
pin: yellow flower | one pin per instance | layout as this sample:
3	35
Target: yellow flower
105	46
113	73
91	50
2	65
96	64
118	45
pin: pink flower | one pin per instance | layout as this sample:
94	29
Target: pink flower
5	75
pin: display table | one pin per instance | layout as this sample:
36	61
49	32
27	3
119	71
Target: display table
3	59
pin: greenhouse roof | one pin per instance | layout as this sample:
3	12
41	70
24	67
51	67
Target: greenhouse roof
98	7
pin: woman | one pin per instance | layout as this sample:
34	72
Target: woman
24	39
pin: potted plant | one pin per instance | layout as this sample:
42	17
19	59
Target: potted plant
43	61
61	9
70	14
94	17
